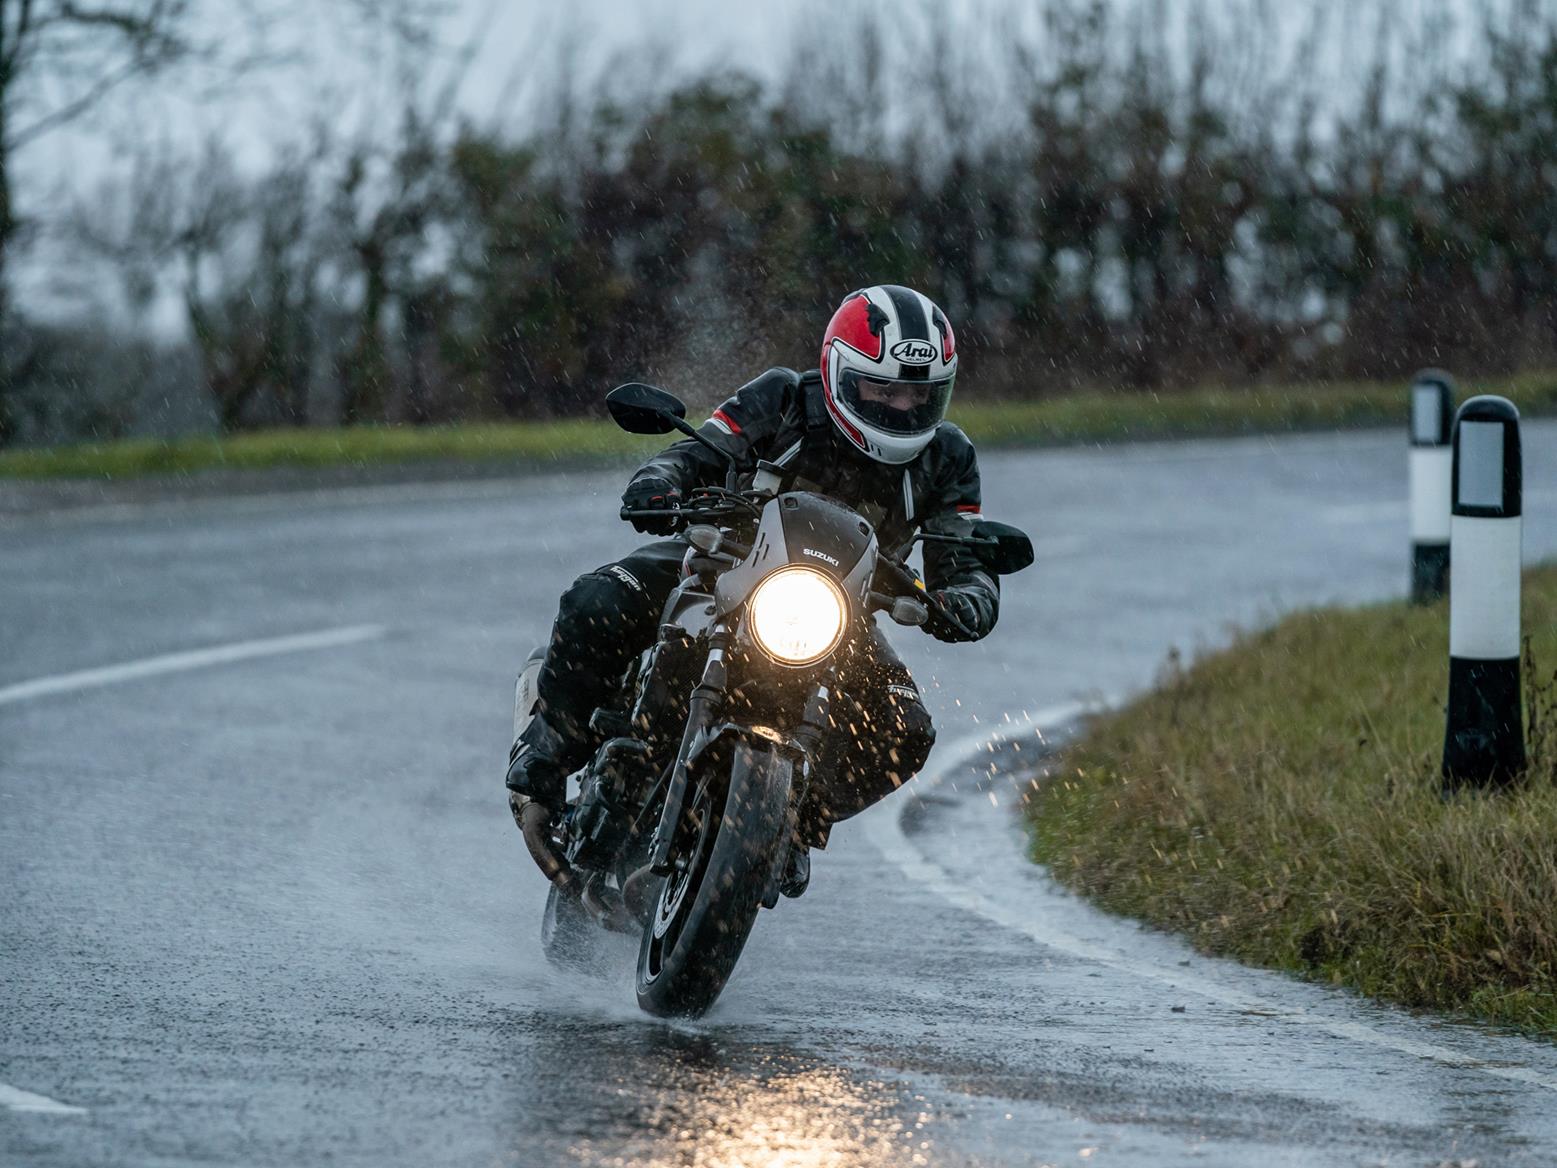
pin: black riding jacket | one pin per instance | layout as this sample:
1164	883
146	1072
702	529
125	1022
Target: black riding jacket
781	417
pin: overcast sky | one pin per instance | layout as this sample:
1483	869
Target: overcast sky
517	41
336	65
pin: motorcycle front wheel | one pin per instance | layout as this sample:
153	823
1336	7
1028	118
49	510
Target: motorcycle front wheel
706	908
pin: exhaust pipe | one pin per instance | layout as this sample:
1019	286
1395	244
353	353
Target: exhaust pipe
611	914
534	822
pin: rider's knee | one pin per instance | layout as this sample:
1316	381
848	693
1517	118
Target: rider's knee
915	738
602	604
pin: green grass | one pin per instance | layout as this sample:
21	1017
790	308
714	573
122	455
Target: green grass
1215	411
538	444
1083	417
1278	802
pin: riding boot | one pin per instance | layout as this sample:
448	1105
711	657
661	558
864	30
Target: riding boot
540	761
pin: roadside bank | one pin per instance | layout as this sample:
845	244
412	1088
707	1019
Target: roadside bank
1278	802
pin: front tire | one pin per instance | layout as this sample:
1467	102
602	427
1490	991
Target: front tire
705	911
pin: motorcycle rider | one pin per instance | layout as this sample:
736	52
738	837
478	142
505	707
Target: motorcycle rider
867	428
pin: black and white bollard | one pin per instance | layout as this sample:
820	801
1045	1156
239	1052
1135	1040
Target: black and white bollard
1484	742
1432	419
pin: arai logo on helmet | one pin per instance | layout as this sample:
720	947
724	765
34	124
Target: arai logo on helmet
913	352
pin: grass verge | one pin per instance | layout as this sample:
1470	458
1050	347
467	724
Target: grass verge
1082	417
541	445
1277	802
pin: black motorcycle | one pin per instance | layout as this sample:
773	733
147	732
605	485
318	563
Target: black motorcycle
684	816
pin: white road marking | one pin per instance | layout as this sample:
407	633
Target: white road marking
18	1100
193	659
886	832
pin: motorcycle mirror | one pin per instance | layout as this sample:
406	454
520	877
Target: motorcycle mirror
645	409
1002	549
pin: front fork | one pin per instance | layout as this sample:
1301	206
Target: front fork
703	710
707	698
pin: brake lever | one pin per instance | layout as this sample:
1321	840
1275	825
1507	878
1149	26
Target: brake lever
963	540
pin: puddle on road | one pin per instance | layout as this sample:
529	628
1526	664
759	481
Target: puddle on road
656	1096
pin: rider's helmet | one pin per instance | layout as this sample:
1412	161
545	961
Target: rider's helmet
888	363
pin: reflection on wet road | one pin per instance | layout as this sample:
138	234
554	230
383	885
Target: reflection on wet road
665	1096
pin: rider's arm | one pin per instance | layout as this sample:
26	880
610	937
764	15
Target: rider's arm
957	501
745	426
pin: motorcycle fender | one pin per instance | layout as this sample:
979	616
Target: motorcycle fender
764	738
761	736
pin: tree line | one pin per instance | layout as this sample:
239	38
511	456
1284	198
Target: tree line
1117	211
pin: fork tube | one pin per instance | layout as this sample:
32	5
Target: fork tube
701	709
813	722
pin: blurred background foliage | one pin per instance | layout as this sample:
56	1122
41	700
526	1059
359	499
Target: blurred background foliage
1128	208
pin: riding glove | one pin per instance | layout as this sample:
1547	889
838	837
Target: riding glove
650	493
964	609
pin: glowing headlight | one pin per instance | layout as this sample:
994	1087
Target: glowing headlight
798	615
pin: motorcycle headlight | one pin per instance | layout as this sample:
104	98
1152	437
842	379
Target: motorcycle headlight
797	615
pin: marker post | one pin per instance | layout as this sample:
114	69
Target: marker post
1432	421
1484	742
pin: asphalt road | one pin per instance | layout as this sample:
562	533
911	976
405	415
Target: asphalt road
267	907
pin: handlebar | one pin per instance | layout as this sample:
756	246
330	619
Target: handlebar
704	503
681	517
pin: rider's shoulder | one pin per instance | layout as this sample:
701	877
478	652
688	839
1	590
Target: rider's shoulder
778	381
950	443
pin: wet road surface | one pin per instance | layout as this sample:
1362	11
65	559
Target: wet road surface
269	908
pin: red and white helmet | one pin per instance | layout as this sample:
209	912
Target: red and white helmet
889	360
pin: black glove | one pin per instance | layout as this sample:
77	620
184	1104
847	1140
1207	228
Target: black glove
652	494
963	608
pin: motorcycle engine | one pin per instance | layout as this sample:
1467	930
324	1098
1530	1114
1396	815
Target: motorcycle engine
603	814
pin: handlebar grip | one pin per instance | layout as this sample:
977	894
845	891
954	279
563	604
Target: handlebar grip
674	516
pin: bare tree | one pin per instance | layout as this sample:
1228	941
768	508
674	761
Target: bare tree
386	200
59	59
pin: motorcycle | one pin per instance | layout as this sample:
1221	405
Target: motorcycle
681	824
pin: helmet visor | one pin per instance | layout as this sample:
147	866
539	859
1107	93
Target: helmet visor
897	407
